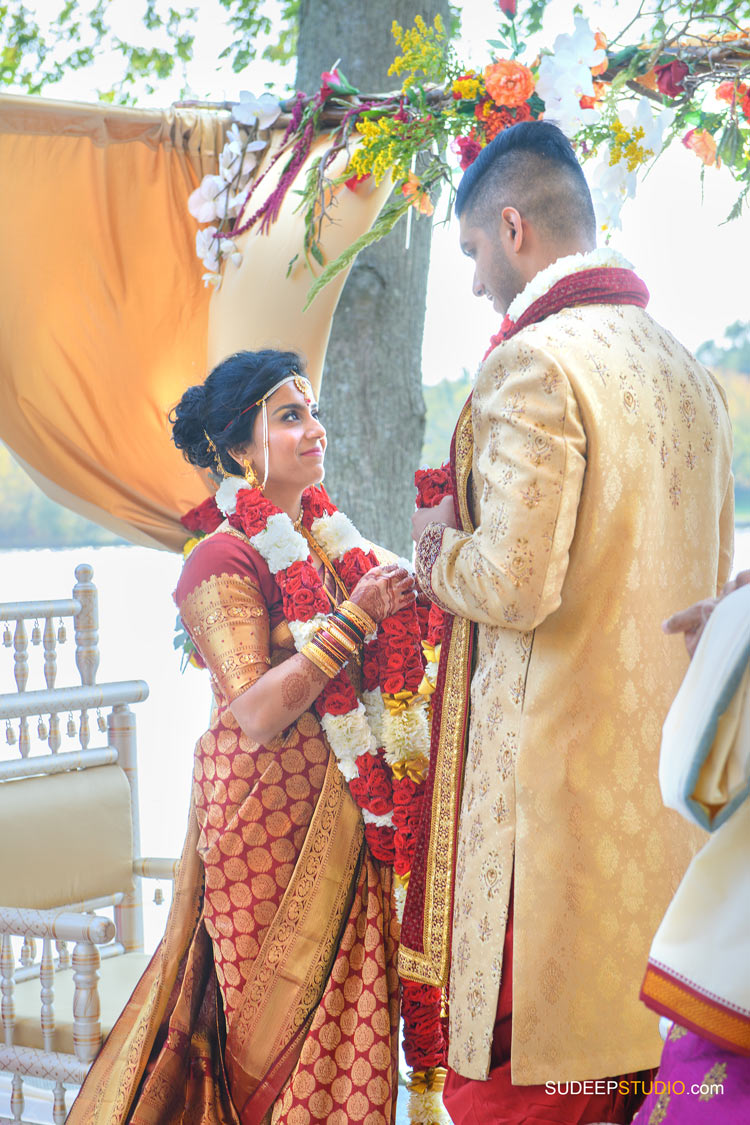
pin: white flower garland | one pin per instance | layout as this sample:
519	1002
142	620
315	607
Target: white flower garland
541	283
403	735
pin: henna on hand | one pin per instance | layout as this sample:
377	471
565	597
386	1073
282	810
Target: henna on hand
294	690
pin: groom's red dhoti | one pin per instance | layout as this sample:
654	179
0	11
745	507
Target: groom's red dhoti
497	1101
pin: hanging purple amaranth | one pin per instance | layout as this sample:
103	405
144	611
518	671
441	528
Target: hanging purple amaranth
269	211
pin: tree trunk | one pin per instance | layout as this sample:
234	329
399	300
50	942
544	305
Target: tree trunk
371	398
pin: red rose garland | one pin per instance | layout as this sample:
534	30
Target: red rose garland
388	792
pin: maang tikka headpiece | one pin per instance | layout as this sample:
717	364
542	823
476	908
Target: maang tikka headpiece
303	385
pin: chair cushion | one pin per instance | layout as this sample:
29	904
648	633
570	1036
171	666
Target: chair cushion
65	838
118	977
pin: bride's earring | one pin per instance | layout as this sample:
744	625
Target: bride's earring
251	476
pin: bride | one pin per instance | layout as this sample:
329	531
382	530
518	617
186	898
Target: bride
273	996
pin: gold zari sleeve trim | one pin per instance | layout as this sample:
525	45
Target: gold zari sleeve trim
227	618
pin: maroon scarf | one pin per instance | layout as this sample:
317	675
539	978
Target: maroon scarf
601	286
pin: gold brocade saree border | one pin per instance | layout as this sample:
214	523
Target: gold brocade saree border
292	966
108	1091
430	964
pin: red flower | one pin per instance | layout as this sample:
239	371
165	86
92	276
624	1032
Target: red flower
370	670
354	181
354	565
302	592
394	626
424	1031
745	106
432	486
507	7
253	511
467	149
337	697
380	841
436	624
205	517
670	78
316	503
404	791
393	684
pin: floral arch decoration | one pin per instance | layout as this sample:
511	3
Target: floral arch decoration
620	104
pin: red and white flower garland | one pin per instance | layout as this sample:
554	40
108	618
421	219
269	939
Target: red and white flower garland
382	743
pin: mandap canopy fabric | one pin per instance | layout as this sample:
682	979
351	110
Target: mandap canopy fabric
104	317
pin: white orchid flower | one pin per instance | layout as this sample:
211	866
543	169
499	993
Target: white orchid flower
654	125
579	48
251	110
202	202
207	247
230	252
212	279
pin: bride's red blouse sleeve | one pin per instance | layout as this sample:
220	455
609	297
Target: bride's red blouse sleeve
229	604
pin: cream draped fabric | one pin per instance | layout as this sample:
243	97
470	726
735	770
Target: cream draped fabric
104	319
603	503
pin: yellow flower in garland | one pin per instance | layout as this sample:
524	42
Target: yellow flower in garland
627	146
190	545
422	50
379	151
469	87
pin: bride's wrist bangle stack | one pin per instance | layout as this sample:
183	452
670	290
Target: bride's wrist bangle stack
356	619
336	642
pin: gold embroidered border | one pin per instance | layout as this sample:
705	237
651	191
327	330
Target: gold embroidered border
106	1096
431	964
685	1006
227	617
291	967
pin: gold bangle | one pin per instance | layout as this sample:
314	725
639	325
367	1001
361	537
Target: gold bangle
341	637
322	662
358	616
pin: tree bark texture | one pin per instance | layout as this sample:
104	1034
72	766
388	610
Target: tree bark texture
371	397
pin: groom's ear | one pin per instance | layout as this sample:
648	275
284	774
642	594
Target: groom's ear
511	229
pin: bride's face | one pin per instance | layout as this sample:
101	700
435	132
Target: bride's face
296	441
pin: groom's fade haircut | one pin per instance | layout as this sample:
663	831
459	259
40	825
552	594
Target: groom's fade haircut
532	167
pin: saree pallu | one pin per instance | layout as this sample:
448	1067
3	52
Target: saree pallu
273	997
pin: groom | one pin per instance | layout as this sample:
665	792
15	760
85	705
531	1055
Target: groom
593	498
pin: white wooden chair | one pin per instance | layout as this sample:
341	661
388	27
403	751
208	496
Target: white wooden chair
69	846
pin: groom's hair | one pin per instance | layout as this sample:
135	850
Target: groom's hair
532	167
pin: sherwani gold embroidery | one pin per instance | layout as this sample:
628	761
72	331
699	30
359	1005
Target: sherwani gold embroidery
603	502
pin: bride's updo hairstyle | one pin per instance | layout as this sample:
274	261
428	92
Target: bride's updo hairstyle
223	408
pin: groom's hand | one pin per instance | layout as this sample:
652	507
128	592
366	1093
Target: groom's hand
442	513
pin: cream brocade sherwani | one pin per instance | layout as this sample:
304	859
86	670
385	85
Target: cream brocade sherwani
603	502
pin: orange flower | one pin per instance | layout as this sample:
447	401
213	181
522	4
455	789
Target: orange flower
589	103
703	145
648	80
600	40
508	83
417	195
728	92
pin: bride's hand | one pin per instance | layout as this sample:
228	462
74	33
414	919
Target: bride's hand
384	590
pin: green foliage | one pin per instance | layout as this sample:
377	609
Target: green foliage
28	518
251	25
443	401
34	56
731	354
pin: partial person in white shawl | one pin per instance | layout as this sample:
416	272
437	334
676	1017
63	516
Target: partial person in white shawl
698	973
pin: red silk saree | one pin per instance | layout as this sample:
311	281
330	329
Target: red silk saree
273	996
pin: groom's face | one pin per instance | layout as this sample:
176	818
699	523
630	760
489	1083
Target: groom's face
495	273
